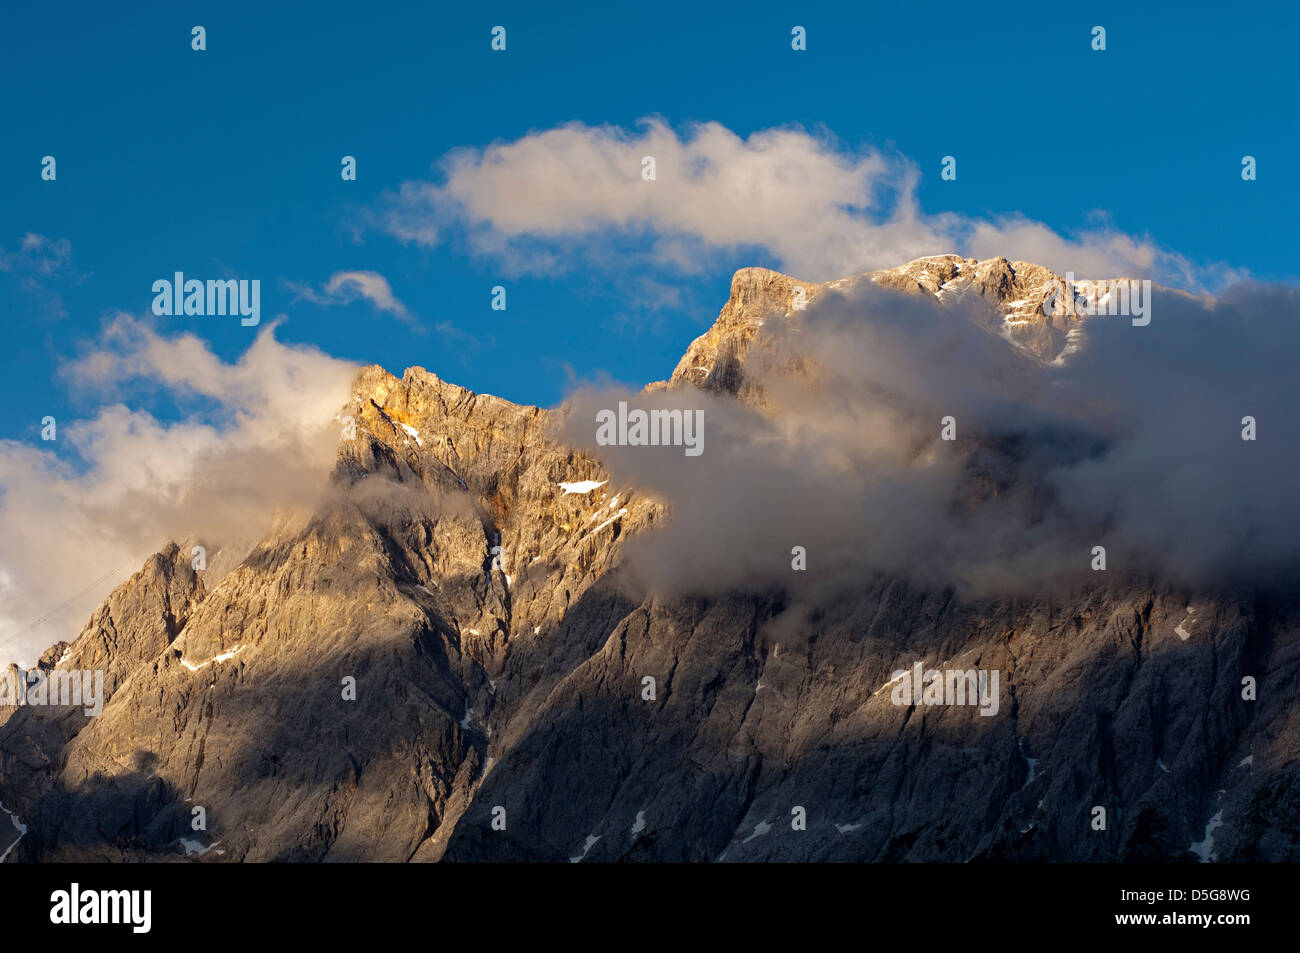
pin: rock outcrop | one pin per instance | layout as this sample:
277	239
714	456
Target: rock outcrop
444	662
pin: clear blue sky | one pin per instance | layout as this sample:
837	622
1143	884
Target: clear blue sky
227	162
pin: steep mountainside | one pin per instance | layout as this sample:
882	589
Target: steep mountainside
444	662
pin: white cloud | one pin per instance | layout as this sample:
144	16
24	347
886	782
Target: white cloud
344	287
557	196
370	285
265	443
1134	443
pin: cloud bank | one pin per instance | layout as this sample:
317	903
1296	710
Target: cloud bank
256	436
1135	444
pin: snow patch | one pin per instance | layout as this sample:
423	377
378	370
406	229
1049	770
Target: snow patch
1205	849
591	839
897	678
1032	762
581	487
639	825
197	847
608	521
217	659
761	828
414	433
19	826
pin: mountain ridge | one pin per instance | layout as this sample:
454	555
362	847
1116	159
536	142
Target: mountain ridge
467	575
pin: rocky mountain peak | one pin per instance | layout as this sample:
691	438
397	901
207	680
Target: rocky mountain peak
1014	299
453	631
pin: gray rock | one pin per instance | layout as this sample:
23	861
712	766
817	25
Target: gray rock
514	679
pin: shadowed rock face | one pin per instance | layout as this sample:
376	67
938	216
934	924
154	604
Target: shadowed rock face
449	642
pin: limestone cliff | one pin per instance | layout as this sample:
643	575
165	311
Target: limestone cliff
448	642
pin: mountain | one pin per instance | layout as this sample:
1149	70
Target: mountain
1018	296
448	661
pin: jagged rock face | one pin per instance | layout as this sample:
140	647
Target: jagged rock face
130	630
1014	298
1017	296
394	584
445	662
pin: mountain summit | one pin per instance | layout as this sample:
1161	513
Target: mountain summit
450	659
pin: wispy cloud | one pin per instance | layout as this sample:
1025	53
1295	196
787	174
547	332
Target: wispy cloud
37	254
345	287
35	262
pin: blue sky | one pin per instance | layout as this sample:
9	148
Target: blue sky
226	162
522	169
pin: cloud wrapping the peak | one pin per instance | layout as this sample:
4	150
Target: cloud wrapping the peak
262	440
1135	444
